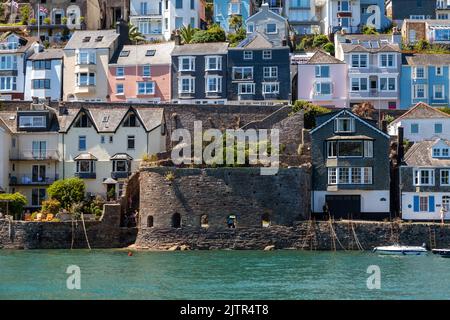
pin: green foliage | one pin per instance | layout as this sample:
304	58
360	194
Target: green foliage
24	13
47	20
238	37
329	47
51	206
209	12
311	111
369	30
235	22
320	40
64	20
32	21
388	118
16	204
187	33
134	35
214	34
94	207
67	191
445	109
306	43
422	45
2	13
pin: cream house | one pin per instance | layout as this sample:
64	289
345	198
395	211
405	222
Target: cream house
31	151
5	141
104	145
86	58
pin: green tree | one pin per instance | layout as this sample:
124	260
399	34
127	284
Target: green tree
320	40
214	34
134	34
187	33
369	30
24	13
235	22
2	13
15	205
67	191
422	45
237	37
311	111
329	47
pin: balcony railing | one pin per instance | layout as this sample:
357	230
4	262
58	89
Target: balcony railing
34	155
120	174
86	175
28	179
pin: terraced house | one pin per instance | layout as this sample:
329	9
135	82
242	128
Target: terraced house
14	51
425	78
374	65
225	9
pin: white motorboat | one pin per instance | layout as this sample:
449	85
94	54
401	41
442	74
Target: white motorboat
401	250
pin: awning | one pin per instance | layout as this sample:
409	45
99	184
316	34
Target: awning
121	156
350	138
85	156
110	181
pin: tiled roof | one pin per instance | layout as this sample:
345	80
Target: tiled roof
9	118
132	55
321	57
422	111
420	155
255	41
428	59
79	39
25	42
48	54
201	48
391	47
362	43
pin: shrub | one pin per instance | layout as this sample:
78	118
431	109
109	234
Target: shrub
169	176
214	34
388	118
24	13
311	111
320	40
422	45
369	30
16	204
51	206
329	47
445	109
33	21
64	20
67	191
47	20
236	38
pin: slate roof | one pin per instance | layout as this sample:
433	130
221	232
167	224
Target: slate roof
150	117
420	155
200	49
137	54
428	59
348	46
48	54
422	111
321	57
77	39
255	41
25	42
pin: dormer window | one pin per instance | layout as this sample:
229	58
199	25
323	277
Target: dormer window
83	121
32	122
441	152
344	125
131	121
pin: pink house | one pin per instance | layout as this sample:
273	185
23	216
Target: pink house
141	73
322	80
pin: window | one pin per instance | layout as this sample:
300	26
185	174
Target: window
192	4
270	72
186	85
178	22
332	149
85	166
418	72
42	65
124	53
131	121
8	83
120	166
412	36
344	22
271	28
213	63
445	177
359	84
150	53
445	152
349	149
85	79
242	73
32	122
387	60
213	84
119	88
111	139
144	8
8	62
179	4
120	72
234	8
424	177
344	125
323	88
271	88
82	143
417	17
442	16
186	63
419	91
414	128
388	84
439	71
39	149
368	149
41	83
146	72
423	204
344	6
37	197
83	121
322	71
147	87
349	175
192	22
250	27
102	139
446	202
248	55
246	88
359	60
438	92
130	142
442	35
84	57
436	152
267	54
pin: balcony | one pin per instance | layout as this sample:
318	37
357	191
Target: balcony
86	175
30	180
34	155
120	174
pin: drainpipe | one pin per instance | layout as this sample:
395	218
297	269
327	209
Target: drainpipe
64	157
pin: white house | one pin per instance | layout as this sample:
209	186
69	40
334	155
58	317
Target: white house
104	145
43	77
5	141
422	122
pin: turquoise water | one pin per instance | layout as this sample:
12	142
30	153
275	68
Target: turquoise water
112	274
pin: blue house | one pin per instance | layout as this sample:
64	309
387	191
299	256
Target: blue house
225	9
425	78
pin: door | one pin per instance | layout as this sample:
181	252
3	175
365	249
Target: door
39	149
38	173
344	206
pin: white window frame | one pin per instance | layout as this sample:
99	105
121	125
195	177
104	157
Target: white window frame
146	71
388	55
191	63
91	57
424	202
365	175
247	55
247	85
274	85
218	63
88	83
419	175
218	86
146	88
359	55
270	72
118	92
8	62
359	84
442	91
414	72
387	83
267	54
336	125
191	85
319	73
42	123
318	88
441	71
122	74
230	8
267	28
441	176
242	71
250	25
415	88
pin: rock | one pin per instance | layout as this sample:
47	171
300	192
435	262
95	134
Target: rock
184	247
269	248
174	248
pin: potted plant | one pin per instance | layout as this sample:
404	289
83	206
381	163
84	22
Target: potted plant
64	20
47	20
33	21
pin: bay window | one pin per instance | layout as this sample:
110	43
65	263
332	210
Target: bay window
246	88
85	79
213	63
8	83
424	177
86	57
242	73
186	85
186	63
213	84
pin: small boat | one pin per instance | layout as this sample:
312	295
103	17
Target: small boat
401	250
444	253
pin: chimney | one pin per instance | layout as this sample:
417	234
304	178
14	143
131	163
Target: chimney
62	108
400	147
122	30
384	126
35	100
48	101
396	36
177	38
37	48
265	6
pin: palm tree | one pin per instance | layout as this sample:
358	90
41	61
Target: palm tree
134	35
187	33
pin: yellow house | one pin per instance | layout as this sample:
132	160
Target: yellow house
104	145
